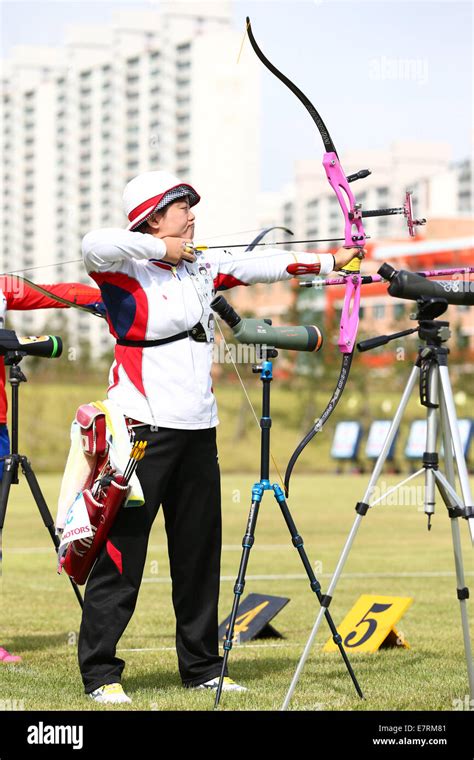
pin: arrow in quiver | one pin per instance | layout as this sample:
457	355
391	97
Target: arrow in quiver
103	501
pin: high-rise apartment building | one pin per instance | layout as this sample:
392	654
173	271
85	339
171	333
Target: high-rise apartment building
154	90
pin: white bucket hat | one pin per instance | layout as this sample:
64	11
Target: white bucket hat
150	191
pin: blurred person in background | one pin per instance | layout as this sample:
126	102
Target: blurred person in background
18	295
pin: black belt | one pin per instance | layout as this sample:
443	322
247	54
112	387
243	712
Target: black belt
197	333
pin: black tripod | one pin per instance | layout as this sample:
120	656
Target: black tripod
14	460
265	370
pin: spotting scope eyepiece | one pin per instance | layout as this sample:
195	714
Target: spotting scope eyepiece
225	311
47	346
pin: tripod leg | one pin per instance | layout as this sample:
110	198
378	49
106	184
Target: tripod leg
361	509
247	543
298	543
450	409
44	512
9	471
462	590
430	456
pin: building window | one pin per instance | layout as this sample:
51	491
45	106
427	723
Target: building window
379	311
399	310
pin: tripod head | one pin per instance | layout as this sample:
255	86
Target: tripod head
429	308
430	329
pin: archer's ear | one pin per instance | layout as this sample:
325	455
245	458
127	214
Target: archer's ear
154	222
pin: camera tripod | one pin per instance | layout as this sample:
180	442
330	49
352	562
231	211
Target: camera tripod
431	371
266	374
14	460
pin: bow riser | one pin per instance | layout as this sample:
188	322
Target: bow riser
354	229
354	236
350	315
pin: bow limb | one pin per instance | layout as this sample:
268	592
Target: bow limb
60	299
261	235
319	424
354	236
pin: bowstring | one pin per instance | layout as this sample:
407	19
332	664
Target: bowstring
229	352
227	347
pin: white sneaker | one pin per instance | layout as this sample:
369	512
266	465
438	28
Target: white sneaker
228	685
111	693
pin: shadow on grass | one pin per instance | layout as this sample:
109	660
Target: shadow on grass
155	680
23	645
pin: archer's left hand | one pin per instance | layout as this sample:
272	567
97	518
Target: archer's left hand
344	255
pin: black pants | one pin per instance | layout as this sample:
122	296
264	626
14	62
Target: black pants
181	472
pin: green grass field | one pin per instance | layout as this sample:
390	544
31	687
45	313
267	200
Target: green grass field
393	555
47	443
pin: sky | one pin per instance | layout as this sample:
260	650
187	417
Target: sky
377	71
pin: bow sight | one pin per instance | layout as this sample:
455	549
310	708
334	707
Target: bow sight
406	209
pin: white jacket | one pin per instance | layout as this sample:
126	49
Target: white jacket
170	385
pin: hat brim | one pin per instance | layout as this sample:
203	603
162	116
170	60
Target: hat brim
138	221
194	198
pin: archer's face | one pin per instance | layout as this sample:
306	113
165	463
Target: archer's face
177	220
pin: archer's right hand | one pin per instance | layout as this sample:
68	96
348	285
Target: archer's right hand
178	249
